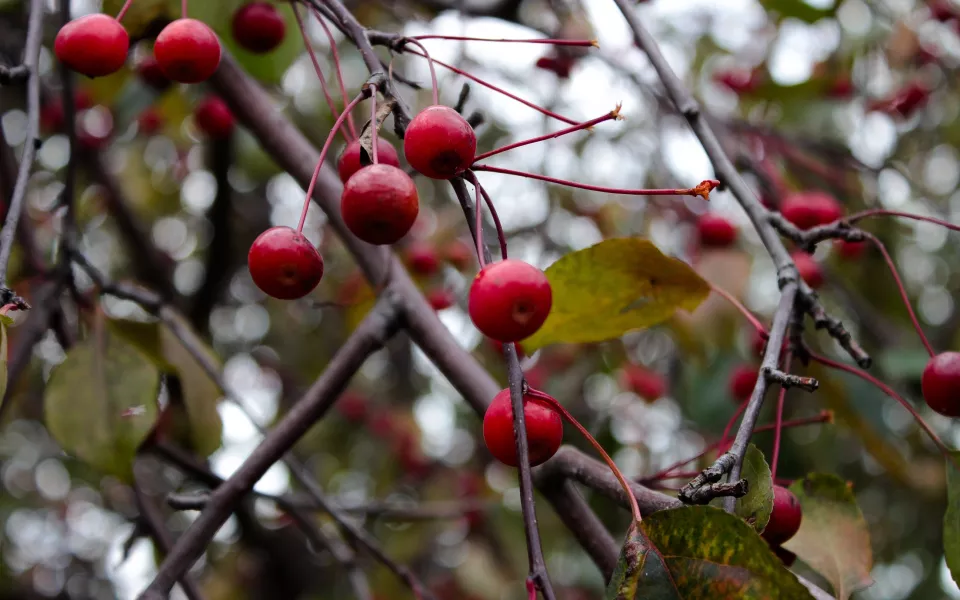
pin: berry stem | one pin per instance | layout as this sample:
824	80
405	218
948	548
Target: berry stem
316	67
554	42
531	589
903	292
634	507
123	10
876	212
778	421
183	9
740	307
733	419
433	71
323	155
476	79
373	127
702	190
471	176
613	114
337	68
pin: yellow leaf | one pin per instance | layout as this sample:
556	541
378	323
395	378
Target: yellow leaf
616	286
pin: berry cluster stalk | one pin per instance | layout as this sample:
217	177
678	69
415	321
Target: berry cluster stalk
317	69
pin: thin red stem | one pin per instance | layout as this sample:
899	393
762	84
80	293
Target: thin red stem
501	237
903	292
339	70
316	66
183	9
463	38
123	10
614	114
740	307
634	507
876	212
373	126
478	225
323	155
433	71
778	421
702	190
531	590
733	419
473	78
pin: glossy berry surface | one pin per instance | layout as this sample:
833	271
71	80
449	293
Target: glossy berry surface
716	231
284	264
187	51
785	519
95	45
379	204
510	300
258	27
643	382
544	429
439	142
422	258
349	162
151	74
742	381
809	269
214	118
941	383
809	209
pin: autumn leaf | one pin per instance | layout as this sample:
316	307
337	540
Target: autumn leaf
755	508
613	287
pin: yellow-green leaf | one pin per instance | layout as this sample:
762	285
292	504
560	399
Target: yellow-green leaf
755	508
613	287
5	322
951	518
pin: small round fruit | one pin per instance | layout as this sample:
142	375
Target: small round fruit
742	381
785	518
284	264
423	259
645	383
439	142
806	210
543	424
214	118
150	72
441	299
258	27
809	269
150	121
716	231
459	254
187	51
349	162
851	250
379	204
353	406
95	45
510	300
941	383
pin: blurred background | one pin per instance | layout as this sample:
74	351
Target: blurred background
854	98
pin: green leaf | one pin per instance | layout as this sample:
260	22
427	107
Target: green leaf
101	402
798	9
951	519
700	552
201	394
756	506
833	537
613	287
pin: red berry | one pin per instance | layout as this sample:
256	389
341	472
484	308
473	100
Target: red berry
349	162
510	300
809	269
149	70
716	231
258	27
94	45
150	121
214	118
943	10
459	254
423	259
851	250
352	406
379	204
645	383
743	379
785	518
543	424
841	87
284	264
809	209
738	81
441	299
439	142
560	65
941	383
187	51
498	347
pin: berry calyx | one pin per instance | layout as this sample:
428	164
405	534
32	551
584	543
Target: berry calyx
441	299
379	204
258	27
743	379
785	519
544	429
95	45
422	259
716	231
187	51
214	118
284	264
940	383
809	269
643	382
150	72
439	142
349	162
510	300
806	210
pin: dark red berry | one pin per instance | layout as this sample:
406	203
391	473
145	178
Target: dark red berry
809	209
150	121
643	382
187	51
943	10
809	269
349	162
560	65
352	406
214	118
379	204
258	27
543	424
510	300
422	259
150	72
743	379
738	81
439	142
851	250
441	299
459	254
716	231
841	87
941	383
785	518
284	264
95	45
